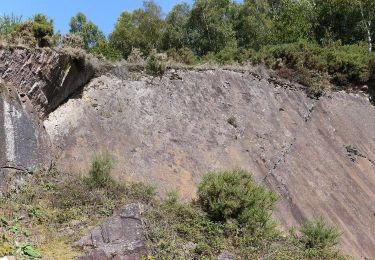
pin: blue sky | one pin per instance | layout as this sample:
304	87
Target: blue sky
104	13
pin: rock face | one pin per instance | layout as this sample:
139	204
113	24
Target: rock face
32	83
24	143
120	237
171	131
43	77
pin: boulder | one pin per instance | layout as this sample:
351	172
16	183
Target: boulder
119	237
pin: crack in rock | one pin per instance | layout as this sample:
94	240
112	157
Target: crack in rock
277	181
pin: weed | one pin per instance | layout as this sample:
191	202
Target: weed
232	121
317	235
27	250
99	173
155	67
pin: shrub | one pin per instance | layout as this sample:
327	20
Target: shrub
136	56
155	67
72	40
235	195
102	47
318	235
344	63
183	55
23	34
43	30
99	174
227	55
8	23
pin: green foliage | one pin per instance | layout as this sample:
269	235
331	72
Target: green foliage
89	32
102	47
184	55
183	231
176	35
43	30
294	21
210	28
316	65
317	235
235	195
8	23
27	250
155	67
177	230
338	20
54	210
140	29
253	24
99	174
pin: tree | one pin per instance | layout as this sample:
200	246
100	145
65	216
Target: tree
338	21
140	29
294	20
176	35
367	9
210	26
253	24
43	29
89	32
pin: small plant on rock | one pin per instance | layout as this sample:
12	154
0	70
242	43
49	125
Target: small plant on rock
232	121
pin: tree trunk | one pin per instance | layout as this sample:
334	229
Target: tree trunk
369	39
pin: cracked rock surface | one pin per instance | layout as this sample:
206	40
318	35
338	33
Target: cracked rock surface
171	131
33	82
119	237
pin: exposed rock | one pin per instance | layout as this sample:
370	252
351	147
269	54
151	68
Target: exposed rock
24	144
225	255
119	237
171	132
33	82
43	77
8	258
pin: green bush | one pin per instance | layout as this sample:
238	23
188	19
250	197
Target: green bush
226	56
43	30
317	235
155	67
344	63
183	55
102	47
235	195
99	174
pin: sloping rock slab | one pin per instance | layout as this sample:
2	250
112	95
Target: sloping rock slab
119	237
171	132
43	78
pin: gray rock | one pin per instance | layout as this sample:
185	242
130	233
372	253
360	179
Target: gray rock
24	144
171	132
119	237
43	77
226	255
33	82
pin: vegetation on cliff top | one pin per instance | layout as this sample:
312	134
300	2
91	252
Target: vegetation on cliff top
313	42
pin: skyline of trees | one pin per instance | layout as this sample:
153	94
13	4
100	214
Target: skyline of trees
220	26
